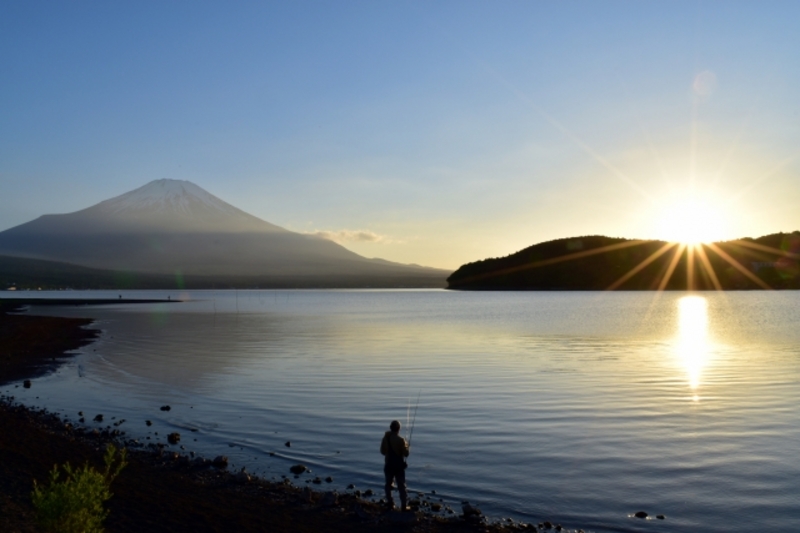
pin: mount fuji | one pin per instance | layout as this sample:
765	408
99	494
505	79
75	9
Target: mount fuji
170	227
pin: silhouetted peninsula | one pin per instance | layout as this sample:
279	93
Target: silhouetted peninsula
605	263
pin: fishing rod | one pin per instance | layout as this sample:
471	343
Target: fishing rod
413	420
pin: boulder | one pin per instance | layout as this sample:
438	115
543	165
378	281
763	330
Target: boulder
98	418
165	407
640	514
174	438
470	510
220	462
298	469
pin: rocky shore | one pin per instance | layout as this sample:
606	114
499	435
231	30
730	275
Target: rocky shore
162	490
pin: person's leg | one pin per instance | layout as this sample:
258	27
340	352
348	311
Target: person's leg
401	487
388	487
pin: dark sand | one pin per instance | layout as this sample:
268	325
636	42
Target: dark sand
160	492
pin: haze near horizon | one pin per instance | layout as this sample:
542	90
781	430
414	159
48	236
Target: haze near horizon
434	134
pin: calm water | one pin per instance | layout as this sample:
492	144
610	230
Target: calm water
578	408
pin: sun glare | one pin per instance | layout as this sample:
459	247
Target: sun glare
692	346
691	220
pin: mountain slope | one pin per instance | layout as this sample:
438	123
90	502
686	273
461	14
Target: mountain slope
170	226
601	263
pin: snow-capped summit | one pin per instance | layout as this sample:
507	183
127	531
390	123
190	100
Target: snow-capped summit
175	205
166	194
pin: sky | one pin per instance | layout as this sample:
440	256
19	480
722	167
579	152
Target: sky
429	132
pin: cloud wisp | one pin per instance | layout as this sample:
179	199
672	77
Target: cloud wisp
346	235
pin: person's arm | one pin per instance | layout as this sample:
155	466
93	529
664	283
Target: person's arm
383	446
406	448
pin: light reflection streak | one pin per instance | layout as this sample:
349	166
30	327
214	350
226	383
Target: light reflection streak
692	343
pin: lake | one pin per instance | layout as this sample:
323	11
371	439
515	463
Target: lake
580	408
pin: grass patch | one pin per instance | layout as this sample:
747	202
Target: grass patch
74	504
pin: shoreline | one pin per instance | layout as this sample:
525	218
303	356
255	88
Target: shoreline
161	490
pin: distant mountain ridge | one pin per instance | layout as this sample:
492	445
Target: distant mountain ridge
601	263
172	227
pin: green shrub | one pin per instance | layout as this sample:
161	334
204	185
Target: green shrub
75	505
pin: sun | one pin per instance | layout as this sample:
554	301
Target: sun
691	220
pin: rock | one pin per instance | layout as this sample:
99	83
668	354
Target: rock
640	514
243	477
298	469
174	438
26	384
165	407
546	525
436	507
98	418
317	481
329	479
288	444
661	517
558	527
82	420
80	413
329	499
220	462
470	510
368	493
148	422
350	486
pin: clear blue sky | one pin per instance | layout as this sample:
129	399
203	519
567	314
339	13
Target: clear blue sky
426	132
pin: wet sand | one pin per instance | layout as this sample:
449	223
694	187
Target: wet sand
160	490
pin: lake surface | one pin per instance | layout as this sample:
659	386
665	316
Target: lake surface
578	408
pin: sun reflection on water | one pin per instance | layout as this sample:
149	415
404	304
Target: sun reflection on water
692	346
